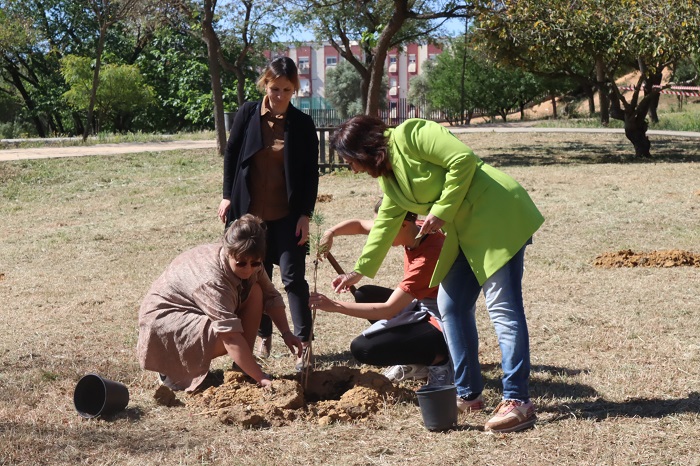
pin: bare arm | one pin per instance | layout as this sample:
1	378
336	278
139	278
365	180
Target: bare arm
344	228
398	300
237	347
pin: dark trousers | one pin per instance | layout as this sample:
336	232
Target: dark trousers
282	250
416	343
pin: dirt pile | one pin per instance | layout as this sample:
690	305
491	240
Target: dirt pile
628	258
335	395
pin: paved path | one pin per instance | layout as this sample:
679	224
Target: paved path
102	149
125	148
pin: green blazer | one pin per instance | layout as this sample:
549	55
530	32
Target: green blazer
486	212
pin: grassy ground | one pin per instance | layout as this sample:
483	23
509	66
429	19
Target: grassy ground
104	138
615	352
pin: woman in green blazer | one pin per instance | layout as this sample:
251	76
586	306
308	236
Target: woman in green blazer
488	219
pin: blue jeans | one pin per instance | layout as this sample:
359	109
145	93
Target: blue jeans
504	302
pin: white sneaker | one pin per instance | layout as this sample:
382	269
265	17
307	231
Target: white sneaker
404	372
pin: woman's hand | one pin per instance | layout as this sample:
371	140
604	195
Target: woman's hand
431	224
342	283
326	243
322	302
266	381
303	229
293	342
223	209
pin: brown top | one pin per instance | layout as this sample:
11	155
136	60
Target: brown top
194	300
267	183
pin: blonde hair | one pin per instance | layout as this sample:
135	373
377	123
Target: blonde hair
245	237
282	67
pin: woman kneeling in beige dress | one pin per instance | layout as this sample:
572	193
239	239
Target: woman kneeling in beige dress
208	303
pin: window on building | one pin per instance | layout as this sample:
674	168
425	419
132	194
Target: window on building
304	87
392	64
393	87
331	61
303	64
412	67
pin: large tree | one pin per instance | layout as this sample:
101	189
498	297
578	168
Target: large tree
34	36
610	36
121	95
106	13
483	85
343	89
377	26
251	32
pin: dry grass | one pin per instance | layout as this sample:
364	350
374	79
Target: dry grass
615	352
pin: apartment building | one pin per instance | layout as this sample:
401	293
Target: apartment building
314	60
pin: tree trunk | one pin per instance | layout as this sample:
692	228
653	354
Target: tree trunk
554	107
590	95
602	92
212	41
393	26
240	85
95	81
28	101
364	92
654	80
375	84
636	131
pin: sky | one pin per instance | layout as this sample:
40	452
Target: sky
453	26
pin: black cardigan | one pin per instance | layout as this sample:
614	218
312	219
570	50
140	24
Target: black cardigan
300	159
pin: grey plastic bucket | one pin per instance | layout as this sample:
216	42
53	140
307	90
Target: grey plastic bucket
438	406
96	396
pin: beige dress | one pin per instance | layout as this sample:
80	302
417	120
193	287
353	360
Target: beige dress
187	307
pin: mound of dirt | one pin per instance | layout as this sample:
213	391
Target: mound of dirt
628	258
335	395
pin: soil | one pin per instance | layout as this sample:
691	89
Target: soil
628	258
339	394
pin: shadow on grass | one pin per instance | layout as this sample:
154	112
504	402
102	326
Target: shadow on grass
583	401
33	443
601	409
337	359
666	150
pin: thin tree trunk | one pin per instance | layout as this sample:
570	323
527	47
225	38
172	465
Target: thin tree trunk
654	80
212	42
28	101
590	95
602	92
240	85
88	128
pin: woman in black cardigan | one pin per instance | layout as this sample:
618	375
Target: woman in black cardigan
271	171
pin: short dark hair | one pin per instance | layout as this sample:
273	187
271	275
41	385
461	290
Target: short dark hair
362	139
245	237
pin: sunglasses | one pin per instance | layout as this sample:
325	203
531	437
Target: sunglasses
253	264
